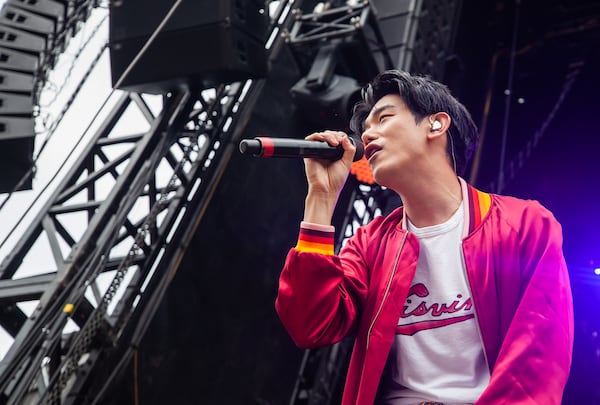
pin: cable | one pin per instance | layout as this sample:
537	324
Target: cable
507	100
591	23
136	389
70	27
77	55
525	153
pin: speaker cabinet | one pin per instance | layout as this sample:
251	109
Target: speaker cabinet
16	154
204	43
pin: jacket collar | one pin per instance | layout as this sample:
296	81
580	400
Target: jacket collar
476	205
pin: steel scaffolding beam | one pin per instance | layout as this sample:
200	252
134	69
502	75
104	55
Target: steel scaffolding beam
134	232
117	227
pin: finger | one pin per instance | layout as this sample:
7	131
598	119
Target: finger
349	148
338	135
331	137
315	136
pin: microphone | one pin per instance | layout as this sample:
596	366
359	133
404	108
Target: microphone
296	148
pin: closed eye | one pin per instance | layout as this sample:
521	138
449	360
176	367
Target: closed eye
384	116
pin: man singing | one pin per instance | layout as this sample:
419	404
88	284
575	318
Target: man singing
458	296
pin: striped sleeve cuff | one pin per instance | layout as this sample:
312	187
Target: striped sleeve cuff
316	238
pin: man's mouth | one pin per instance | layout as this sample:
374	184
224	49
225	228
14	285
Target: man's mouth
371	150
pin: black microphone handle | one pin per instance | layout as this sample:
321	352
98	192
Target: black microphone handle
294	148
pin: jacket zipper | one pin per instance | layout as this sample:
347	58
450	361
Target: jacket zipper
462	255
387	289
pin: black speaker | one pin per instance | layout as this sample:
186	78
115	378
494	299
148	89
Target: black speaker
16	153
330	107
204	43
11	59
54	10
14	82
17	17
16	105
16	130
22	41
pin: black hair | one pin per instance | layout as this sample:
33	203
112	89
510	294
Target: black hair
423	96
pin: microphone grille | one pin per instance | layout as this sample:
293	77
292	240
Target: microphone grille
360	149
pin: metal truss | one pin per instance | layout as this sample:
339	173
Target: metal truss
339	22
117	227
351	21
433	37
322	370
320	374
136	229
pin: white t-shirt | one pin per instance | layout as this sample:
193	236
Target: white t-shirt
437	354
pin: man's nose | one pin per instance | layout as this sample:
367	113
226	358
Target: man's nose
367	136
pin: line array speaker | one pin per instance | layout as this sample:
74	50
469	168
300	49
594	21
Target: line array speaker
204	43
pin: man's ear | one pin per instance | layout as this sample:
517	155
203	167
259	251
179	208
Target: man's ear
438	124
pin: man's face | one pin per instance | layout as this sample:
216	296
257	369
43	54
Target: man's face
394	143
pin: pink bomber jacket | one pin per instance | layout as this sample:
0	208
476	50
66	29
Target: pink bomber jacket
516	271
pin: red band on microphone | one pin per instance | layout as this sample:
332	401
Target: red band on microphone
268	147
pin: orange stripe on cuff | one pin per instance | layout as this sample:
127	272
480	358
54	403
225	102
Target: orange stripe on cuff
323	248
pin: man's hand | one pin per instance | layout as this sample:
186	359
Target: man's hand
326	178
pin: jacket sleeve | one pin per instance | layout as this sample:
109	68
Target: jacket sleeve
320	294
535	357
